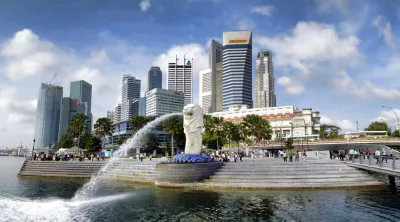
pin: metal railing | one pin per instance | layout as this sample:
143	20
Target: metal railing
367	160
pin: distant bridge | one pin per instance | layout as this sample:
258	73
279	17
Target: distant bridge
15	152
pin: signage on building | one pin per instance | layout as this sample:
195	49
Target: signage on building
188	63
237	41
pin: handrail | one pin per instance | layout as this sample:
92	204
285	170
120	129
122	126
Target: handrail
361	157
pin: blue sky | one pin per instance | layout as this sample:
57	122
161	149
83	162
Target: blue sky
340	57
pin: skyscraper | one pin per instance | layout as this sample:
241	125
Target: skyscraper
163	101
154	78
82	91
180	78
110	115
142	106
130	93
117	113
48	115
211	80
237	69
264	89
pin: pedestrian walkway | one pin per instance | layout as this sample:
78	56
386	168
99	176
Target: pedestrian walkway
386	165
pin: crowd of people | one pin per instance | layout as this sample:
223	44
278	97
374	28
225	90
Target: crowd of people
379	155
66	157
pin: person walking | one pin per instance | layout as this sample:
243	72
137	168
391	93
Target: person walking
377	156
235	156
252	157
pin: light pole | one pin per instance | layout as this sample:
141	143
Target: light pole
357	125
397	118
33	147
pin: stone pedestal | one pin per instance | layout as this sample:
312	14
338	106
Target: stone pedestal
182	174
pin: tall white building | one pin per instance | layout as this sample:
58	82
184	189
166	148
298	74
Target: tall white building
237	69
180	78
162	101
264	89
130	93
211	80
117	113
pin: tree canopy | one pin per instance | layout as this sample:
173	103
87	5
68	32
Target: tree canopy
174	126
377	126
137	123
329	131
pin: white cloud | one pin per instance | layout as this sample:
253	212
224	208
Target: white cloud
27	55
385	29
2	129
144	5
332	5
292	86
263	10
345	125
246	24
388	116
365	89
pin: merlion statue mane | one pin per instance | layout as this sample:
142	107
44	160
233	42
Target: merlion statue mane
193	128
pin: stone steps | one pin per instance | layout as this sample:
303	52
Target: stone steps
274	173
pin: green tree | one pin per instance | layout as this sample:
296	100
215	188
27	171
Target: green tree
103	127
289	144
150	143
91	143
258	127
231	131
78	127
379	126
329	131
174	127
137	123
396	133
66	141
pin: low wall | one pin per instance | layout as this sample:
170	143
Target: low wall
183	174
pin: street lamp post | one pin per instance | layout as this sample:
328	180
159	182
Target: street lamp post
33	147
397	118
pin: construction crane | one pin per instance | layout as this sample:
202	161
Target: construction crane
49	83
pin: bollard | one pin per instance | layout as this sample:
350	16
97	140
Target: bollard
394	162
352	158
380	161
369	161
392	180
360	159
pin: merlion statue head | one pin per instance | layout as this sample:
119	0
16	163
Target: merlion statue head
193	117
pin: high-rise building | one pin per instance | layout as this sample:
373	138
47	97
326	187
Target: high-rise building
130	93
237	69
162	101
69	108
180	78
142	106
48	115
211	80
82	91
154	78
117	113
264	89
110	115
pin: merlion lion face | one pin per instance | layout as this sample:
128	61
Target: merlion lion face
189	111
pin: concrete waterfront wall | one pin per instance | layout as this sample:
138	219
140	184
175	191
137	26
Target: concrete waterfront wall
182	174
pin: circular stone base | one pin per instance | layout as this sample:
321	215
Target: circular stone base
190	158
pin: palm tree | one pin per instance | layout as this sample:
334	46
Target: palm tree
137	123
257	126
216	127
174	127
230	130
103	127
78	126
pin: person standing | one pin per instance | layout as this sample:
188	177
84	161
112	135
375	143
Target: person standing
384	155
297	157
252	156
305	156
284	155
137	157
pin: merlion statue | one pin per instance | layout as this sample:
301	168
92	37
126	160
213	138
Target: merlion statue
193	128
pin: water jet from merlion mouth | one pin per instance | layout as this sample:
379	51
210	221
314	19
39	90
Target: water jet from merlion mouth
91	186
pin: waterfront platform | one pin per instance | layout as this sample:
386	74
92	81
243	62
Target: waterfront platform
265	173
